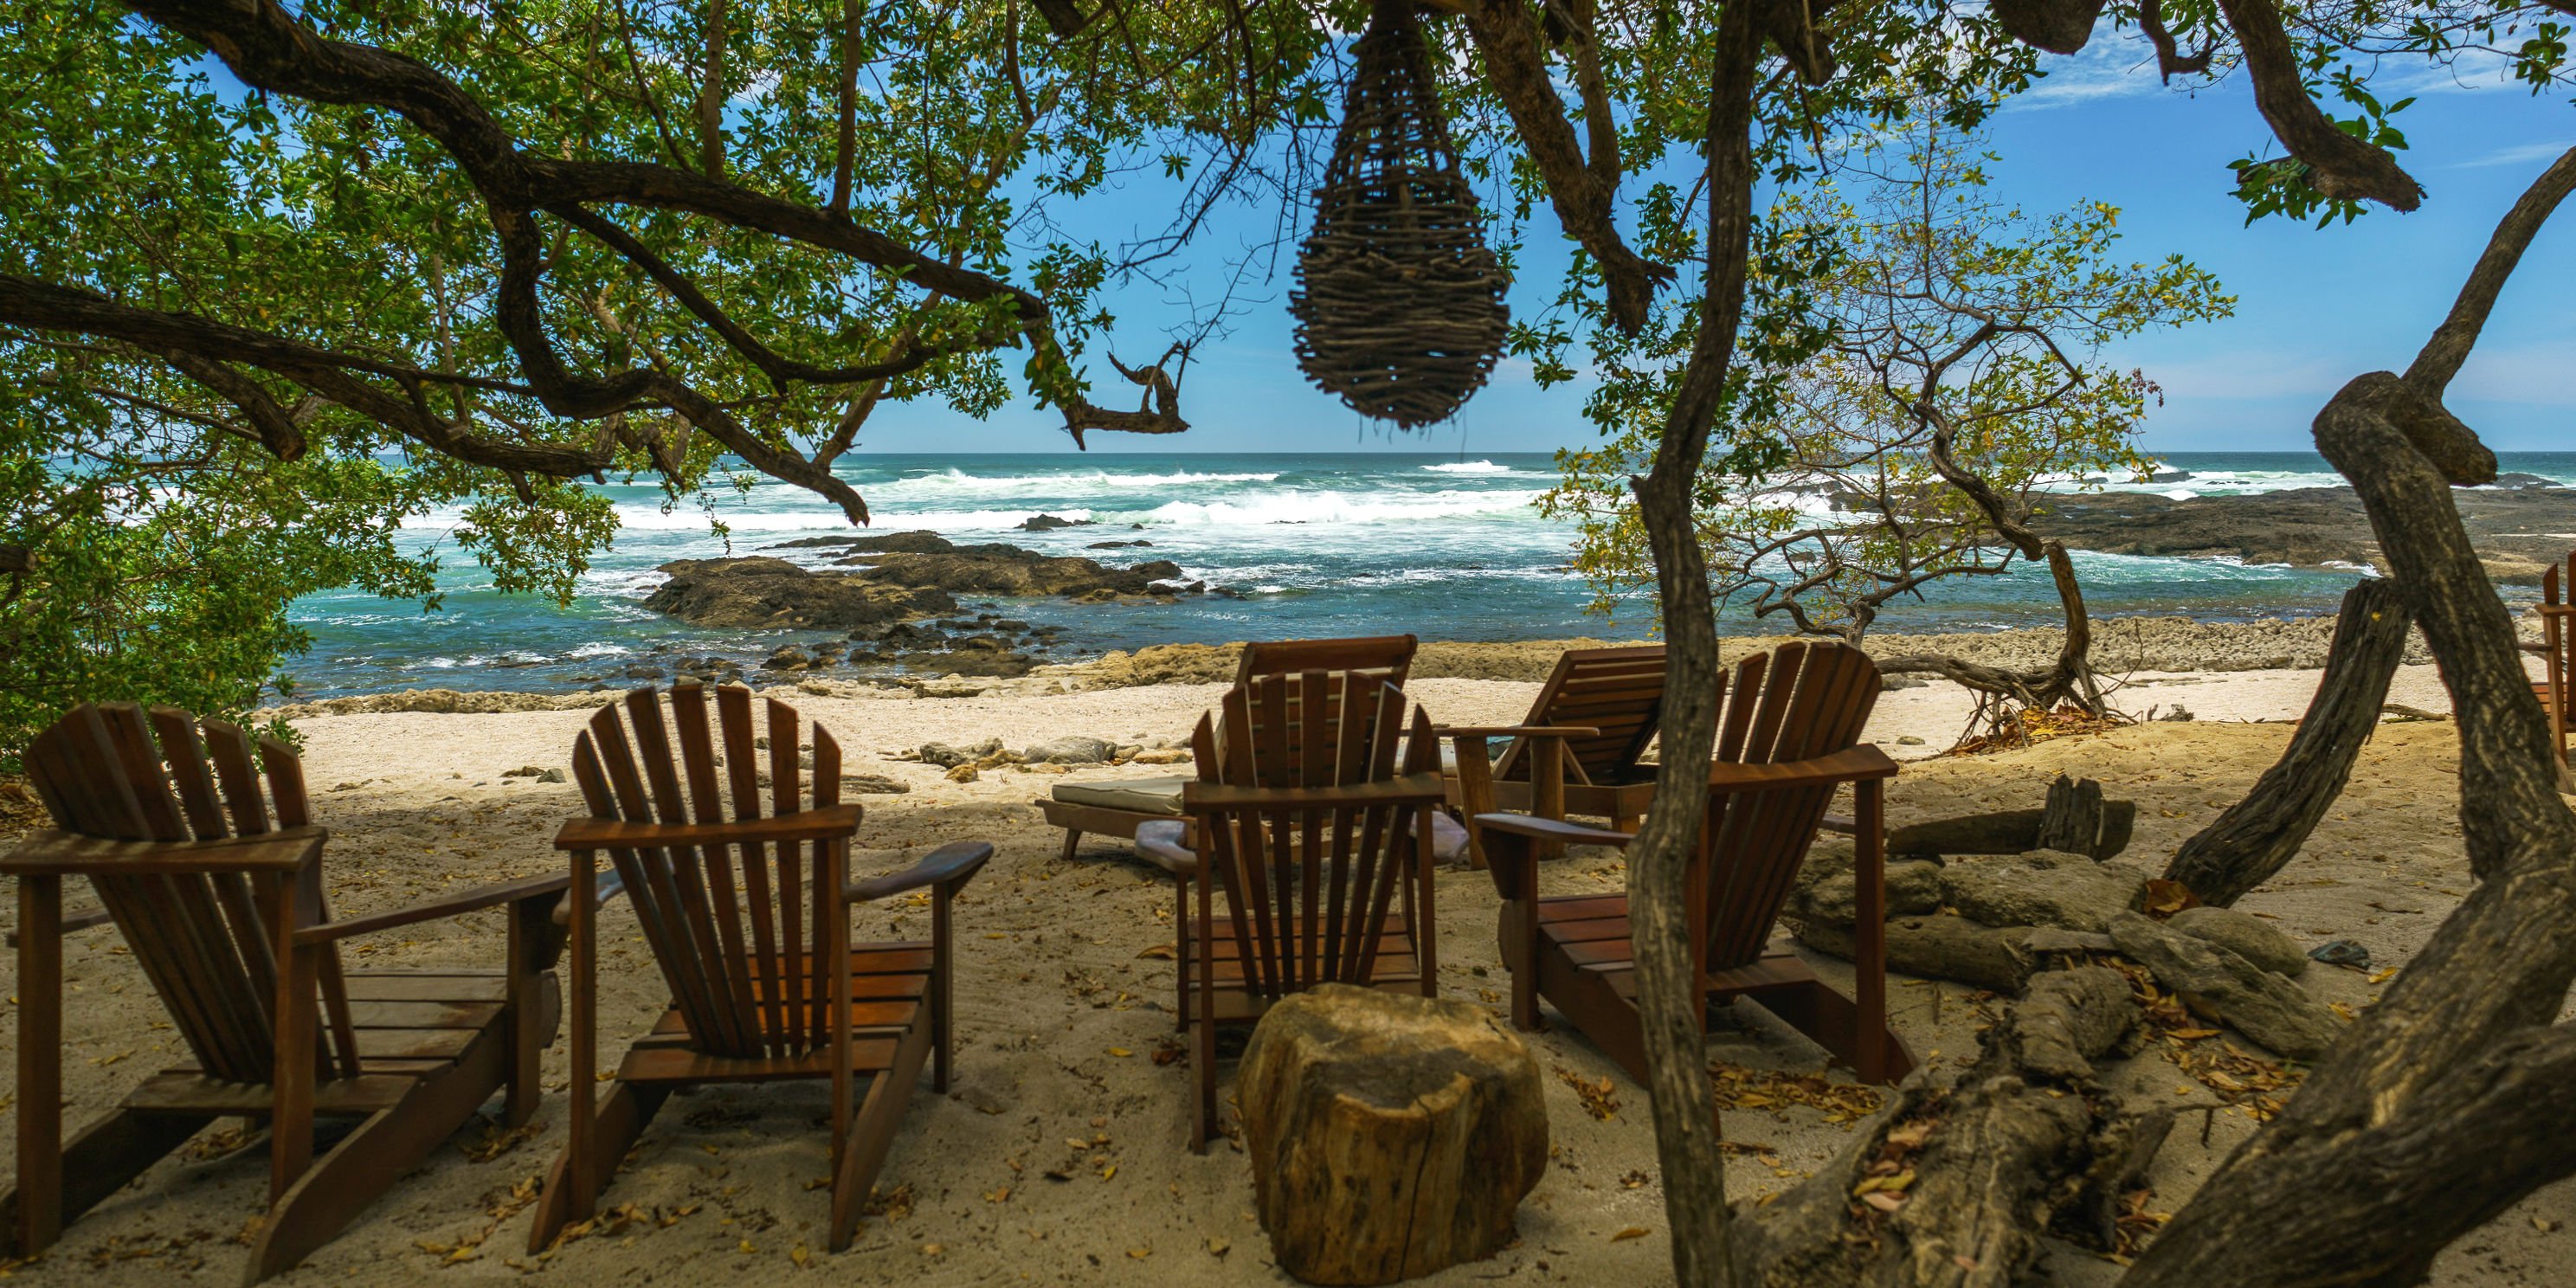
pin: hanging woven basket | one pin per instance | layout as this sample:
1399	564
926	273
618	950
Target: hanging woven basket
1398	301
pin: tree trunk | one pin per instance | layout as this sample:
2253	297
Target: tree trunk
2260	834
1669	1004
1391	1137
2448	1100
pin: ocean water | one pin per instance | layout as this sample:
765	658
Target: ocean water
1318	544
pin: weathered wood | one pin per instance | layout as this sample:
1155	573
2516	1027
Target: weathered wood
1390	1137
2447	1100
2072	818
2259	835
2011	831
2018	1143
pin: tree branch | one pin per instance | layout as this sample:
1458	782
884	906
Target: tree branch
2340	166
1509	40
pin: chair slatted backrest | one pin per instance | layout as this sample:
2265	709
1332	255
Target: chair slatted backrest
739	930
117	772
1801	700
1389	657
1618	691
1308	884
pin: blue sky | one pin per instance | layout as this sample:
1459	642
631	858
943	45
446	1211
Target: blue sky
2315	307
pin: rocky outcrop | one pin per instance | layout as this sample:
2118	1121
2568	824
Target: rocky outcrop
891	578
2311	526
758	592
1009	570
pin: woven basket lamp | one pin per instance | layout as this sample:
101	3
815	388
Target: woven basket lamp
1398	301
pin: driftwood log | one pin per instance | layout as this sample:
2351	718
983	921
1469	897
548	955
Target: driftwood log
2260	834
1391	1136
2012	831
1957	1183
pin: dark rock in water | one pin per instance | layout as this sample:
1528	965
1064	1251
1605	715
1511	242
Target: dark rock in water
2170	476
1177	588
2525	480
2309	527
758	591
1050	522
1117	545
917	541
1009	624
1009	570
909	636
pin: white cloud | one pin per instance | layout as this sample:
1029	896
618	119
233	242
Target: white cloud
2245	373
2519	154
2530	373
2108	66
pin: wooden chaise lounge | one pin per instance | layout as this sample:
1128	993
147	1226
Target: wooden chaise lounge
1118	807
747	912
216	886
1315	854
1788	737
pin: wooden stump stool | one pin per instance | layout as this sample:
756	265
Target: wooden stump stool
1391	1135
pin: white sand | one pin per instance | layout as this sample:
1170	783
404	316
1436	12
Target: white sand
1053	986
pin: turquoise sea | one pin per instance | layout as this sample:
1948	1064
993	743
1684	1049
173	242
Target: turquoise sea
1318	544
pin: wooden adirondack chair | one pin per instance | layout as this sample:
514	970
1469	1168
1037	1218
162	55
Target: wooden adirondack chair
1577	752
217	889
1118	808
1789	735
2558	645
748	915
1318	844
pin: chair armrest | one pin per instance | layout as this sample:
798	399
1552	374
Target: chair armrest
1515	731
1548	829
828	822
53	853
950	863
2555	610
473	900
1848	765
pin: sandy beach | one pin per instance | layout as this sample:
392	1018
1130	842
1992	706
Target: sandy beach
1059	1156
